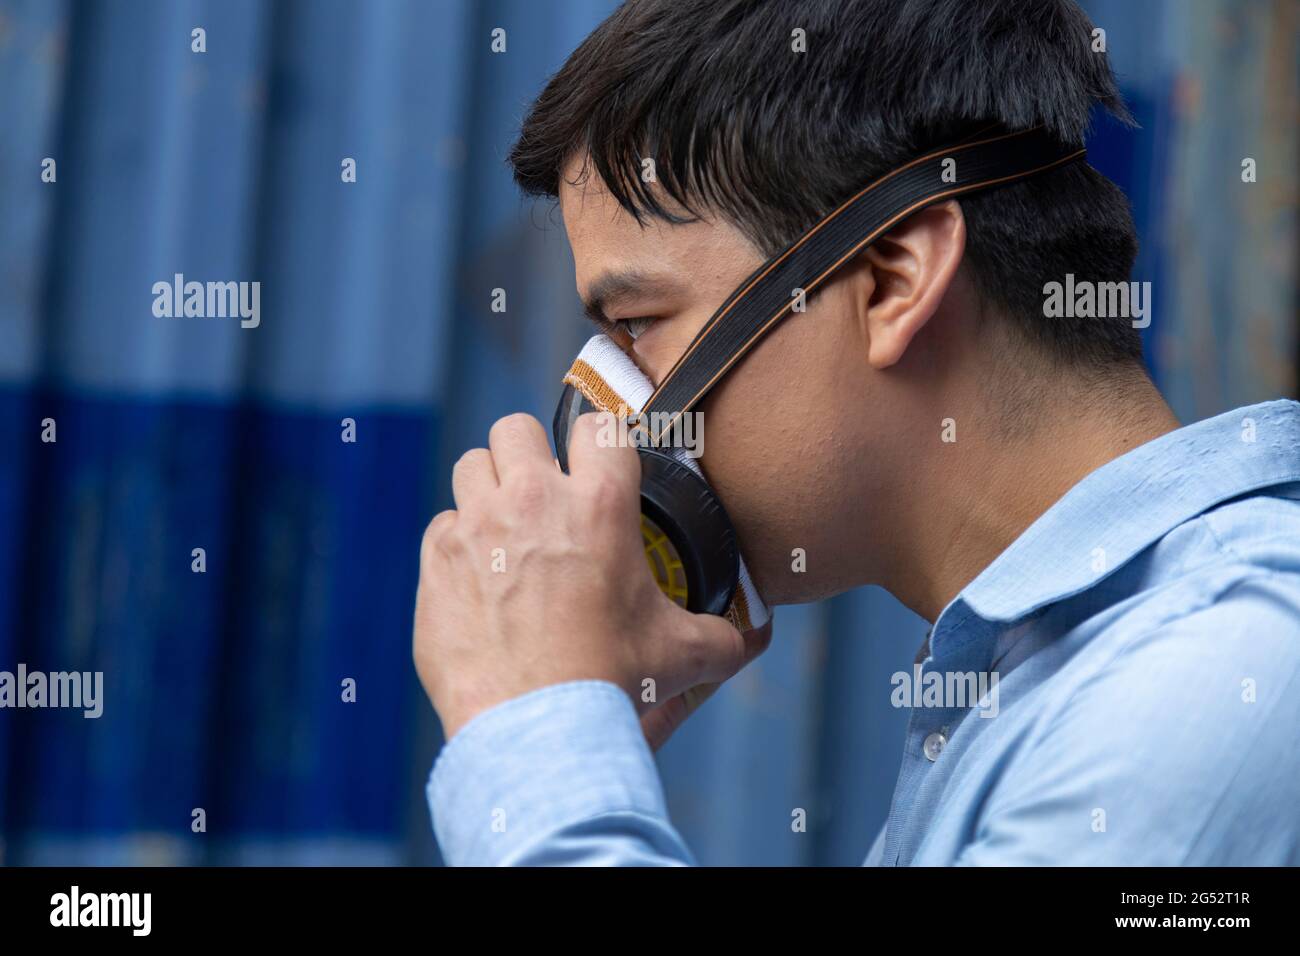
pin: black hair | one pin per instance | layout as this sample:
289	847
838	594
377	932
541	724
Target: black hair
770	139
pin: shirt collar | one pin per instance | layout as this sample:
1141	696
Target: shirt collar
1128	504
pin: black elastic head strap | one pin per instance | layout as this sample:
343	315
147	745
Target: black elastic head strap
768	296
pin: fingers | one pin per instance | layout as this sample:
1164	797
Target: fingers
518	443
473	475
514	443
597	452
439	526
710	650
661	723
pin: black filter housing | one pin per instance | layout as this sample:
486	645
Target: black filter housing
683	506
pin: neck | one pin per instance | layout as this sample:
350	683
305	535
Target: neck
984	490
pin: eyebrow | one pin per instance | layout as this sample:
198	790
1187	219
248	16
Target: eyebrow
610	288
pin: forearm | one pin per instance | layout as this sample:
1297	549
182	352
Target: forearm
561	775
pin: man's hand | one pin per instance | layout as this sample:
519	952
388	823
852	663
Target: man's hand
662	722
538	577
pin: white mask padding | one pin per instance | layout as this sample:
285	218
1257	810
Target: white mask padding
609	366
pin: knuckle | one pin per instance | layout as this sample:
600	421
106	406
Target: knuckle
471	524
434	532
594	427
696	654
607	498
453	543
715	648
529	491
513	424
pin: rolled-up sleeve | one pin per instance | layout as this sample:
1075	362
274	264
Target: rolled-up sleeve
558	776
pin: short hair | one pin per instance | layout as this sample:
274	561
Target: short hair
741	125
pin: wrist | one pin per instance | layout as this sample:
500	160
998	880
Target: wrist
459	709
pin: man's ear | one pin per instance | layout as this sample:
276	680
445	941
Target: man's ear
911	268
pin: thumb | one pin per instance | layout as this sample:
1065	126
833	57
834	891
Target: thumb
720	634
716	650
662	722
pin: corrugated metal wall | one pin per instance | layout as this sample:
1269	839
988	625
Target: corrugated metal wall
223	688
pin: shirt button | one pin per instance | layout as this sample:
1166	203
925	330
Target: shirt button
933	746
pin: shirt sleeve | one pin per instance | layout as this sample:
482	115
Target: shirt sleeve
561	775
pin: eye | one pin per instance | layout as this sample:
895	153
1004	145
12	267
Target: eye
636	326
622	331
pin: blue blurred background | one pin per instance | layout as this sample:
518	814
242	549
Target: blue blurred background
223	687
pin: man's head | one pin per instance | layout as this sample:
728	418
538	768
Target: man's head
755	119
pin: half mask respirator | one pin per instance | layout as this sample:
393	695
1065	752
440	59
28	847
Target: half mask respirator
689	540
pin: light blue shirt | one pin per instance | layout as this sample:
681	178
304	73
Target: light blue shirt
1145	634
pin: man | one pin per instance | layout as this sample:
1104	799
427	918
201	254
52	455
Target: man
929	424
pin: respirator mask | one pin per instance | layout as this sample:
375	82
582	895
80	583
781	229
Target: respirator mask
690	544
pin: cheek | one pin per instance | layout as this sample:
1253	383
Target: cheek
774	456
